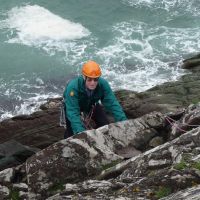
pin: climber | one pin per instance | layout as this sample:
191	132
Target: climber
90	94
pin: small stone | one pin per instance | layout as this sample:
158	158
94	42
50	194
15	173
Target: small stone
156	141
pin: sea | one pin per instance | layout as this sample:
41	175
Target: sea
138	43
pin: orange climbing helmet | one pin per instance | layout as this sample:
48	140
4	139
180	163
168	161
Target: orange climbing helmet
91	69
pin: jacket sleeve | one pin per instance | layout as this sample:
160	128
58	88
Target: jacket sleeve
73	110
111	104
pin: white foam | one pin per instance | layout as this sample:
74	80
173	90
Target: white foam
175	8
24	96
36	25
32	104
140	56
28	106
6	115
137	57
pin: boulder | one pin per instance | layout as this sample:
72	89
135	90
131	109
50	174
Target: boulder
39	129
168	168
189	121
113	162
169	171
4	192
6	176
13	153
191	62
85	155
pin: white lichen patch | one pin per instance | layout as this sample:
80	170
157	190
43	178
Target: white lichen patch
45	185
94	184
4	191
23	195
40	153
6	175
196	158
176	155
154	163
65	141
123	198
41	175
52	159
103	129
100	140
71	187
179	178
20	186
67	152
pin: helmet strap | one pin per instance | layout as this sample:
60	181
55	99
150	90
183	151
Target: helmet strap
84	77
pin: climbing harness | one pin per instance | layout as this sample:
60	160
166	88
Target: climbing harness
86	119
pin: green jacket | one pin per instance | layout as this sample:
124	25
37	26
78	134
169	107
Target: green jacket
77	101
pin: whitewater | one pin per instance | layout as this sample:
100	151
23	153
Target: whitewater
138	43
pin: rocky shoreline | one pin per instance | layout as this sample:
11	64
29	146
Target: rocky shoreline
154	154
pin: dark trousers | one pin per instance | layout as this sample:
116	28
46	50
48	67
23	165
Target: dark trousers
99	117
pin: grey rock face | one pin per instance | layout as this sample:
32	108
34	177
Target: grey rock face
88	187
188	194
4	192
13	153
64	170
6	175
189	121
86	154
156	173
168	166
39	129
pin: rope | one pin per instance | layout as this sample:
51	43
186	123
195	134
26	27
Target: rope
182	123
88	118
172	124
